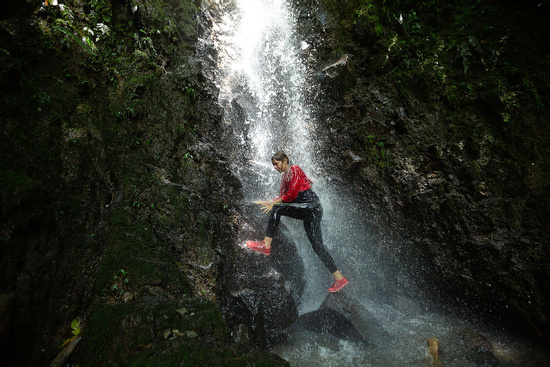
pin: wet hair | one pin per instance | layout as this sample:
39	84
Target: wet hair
280	156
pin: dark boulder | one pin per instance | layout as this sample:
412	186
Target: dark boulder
262	292
337	78
344	317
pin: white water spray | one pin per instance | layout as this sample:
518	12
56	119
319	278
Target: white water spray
260	68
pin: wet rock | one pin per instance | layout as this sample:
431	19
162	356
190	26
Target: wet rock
353	161
333	70
407	305
360	317
241	334
327	320
336	77
267	310
378	118
478	344
343	316
263	292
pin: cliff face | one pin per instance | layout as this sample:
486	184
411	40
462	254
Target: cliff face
436	114
115	204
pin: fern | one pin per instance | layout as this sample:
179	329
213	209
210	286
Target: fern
466	51
85	46
474	44
466	56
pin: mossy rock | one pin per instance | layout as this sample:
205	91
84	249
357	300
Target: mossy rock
180	352
136	259
157	331
136	332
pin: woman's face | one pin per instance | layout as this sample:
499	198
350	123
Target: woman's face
280	166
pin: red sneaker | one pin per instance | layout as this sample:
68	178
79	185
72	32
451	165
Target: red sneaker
338	284
259	246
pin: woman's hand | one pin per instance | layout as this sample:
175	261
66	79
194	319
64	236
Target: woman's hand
268	205
266	208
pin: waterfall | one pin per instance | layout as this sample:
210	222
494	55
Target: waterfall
265	93
260	72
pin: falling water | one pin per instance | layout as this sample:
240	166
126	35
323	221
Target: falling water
264	92
260	68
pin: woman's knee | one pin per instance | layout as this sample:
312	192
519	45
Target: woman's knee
276	213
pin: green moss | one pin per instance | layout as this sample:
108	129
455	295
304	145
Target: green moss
133	247
12	180
197	354
116	333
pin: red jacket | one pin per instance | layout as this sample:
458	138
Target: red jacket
292	183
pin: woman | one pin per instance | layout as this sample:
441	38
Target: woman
297	200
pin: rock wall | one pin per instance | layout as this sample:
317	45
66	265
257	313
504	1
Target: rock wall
117	209
418	121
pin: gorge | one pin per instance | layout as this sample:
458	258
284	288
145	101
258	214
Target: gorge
137	132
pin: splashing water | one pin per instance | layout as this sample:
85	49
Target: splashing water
263	86
260	70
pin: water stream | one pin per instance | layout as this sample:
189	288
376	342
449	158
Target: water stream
265	94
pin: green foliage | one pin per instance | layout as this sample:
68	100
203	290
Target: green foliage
75	330
189	90
466	50
85	43
75	326
378	154
98	11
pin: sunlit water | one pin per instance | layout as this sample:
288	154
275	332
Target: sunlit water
259	70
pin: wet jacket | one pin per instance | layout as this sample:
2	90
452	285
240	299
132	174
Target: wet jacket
295	186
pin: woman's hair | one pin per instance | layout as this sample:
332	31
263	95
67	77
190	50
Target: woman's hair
280	156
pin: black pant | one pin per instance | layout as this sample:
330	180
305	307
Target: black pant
308	209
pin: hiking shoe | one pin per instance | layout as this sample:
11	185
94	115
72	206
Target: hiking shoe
338	284
259	246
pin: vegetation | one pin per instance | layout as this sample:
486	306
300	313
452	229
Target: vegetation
474	53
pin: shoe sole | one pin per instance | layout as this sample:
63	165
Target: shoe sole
336	290
258	250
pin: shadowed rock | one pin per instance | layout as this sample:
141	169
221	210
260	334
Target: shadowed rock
326	320
344	317
335	78
262	292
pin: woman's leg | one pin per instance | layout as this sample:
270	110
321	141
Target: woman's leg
272	225
277	212
312	225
